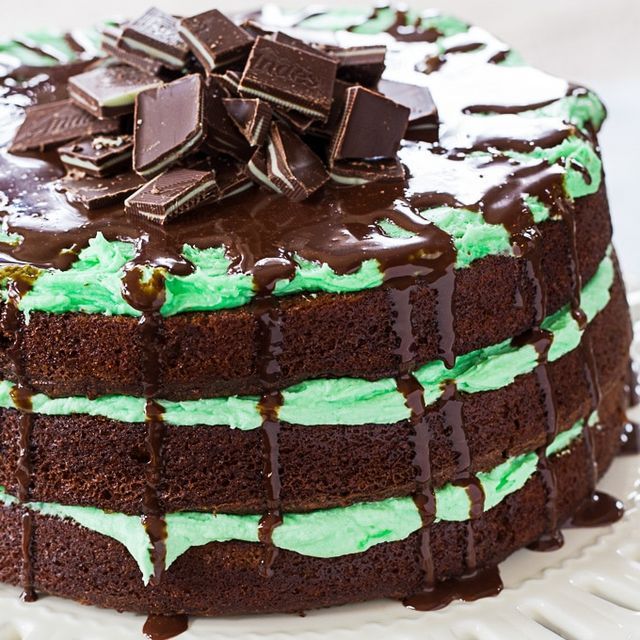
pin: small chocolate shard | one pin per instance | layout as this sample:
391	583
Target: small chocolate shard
230	80
95	193
54	123
290	77
257	170
372	126
168	124
214	40
360	65
254	29
99	156
155	35
299	122
328	129
423	119
357	172
292	166
171	194
231	177
112	44
110	91
252	117
222	135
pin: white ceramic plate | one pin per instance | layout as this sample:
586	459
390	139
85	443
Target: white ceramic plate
588	590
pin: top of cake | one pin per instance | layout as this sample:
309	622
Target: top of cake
300	152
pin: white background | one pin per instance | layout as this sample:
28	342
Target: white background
595	42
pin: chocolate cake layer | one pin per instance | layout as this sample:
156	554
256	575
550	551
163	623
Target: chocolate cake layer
94	461
212	354
224	578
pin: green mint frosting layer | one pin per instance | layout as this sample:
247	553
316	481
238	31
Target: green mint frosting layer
325	533
352	401
93	284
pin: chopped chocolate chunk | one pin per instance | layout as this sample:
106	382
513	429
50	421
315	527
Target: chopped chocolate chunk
99	156
230	80
290	77
252	117
423	119
256	169
110	91
355	172
171	194
215	40
254	29
360	65
292	166
168	124
50	124
222	135
112	44
231	176
155	35
372	126
109	35
95	193
328	128
298	121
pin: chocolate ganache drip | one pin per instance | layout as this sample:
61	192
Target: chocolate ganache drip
13	322
269	346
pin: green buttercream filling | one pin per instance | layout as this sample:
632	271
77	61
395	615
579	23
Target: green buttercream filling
352	401
325	533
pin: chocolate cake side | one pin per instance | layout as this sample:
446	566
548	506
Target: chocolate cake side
223	578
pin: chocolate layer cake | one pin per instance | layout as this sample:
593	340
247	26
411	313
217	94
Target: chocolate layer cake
298	309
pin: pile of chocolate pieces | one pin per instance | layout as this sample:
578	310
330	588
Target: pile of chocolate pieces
191	111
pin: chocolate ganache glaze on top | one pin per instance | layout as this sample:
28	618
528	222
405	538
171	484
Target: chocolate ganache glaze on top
481	161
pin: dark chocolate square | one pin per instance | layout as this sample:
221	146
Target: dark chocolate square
155	35
98	156
372	126
215	40
290	77
168	124
171	194
110	91
51	124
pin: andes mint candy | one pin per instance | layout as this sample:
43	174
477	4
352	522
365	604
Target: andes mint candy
290	77
155	35
168	124
372	126
215	40
51	124
110	91
291	165
171	194
99	156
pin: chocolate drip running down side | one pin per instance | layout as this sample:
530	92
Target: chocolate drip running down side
269	337
148	297
448	411
13	325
